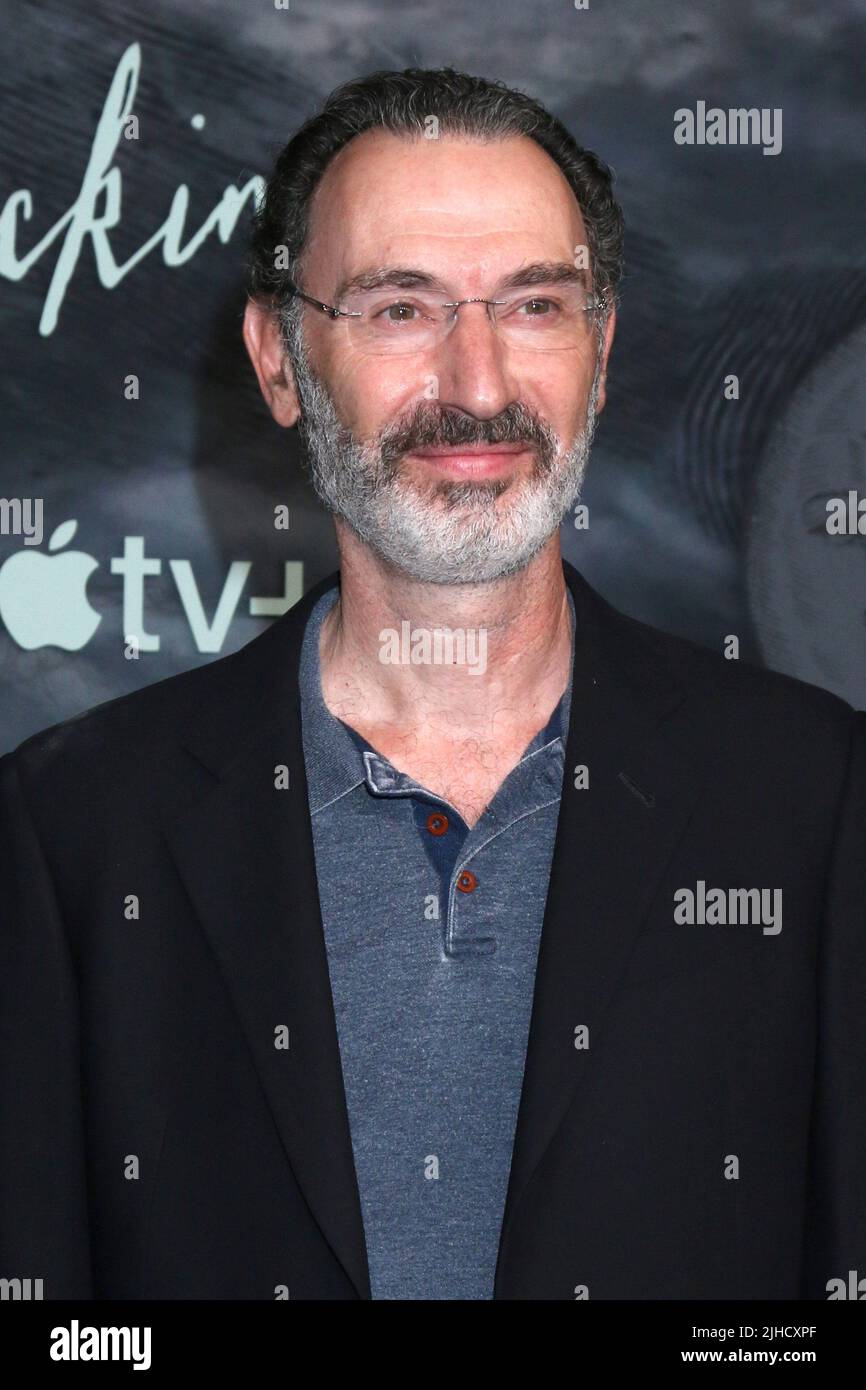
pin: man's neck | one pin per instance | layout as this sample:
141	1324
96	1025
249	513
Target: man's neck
505	700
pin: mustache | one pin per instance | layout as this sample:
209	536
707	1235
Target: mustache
450	428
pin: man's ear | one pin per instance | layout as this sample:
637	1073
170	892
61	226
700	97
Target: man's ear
609	330
273	369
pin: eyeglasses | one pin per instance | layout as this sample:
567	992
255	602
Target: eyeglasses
386	323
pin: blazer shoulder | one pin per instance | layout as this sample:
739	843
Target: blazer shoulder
139	725
731	691
147	723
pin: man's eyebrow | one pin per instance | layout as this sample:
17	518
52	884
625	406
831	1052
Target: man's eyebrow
412	278
545	273
400	277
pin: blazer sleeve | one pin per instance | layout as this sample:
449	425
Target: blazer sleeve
835	1225
43	1203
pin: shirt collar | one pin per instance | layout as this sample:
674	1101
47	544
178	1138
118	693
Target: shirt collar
337	759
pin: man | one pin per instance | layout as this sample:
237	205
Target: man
460	937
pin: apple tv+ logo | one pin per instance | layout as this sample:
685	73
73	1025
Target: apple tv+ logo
43	595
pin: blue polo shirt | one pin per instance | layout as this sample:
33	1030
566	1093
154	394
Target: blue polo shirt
431	933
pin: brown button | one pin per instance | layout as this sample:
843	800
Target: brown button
437	824
467	882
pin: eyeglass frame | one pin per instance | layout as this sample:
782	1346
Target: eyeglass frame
334	313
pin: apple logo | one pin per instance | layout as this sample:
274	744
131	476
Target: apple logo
43	599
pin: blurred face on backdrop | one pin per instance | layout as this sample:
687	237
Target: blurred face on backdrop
453	445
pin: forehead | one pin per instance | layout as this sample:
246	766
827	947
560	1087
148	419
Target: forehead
453	206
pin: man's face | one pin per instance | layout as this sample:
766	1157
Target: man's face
469	214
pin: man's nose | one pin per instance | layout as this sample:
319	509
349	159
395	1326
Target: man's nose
471	364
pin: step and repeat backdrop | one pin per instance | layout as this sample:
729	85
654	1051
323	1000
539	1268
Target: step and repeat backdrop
726	495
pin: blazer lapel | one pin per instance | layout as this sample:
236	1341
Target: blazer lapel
245	852
612	844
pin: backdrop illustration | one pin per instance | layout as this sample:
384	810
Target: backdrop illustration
140	468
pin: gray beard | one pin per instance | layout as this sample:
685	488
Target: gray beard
450	532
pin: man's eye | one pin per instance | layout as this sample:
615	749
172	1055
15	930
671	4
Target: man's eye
400	312
537	308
